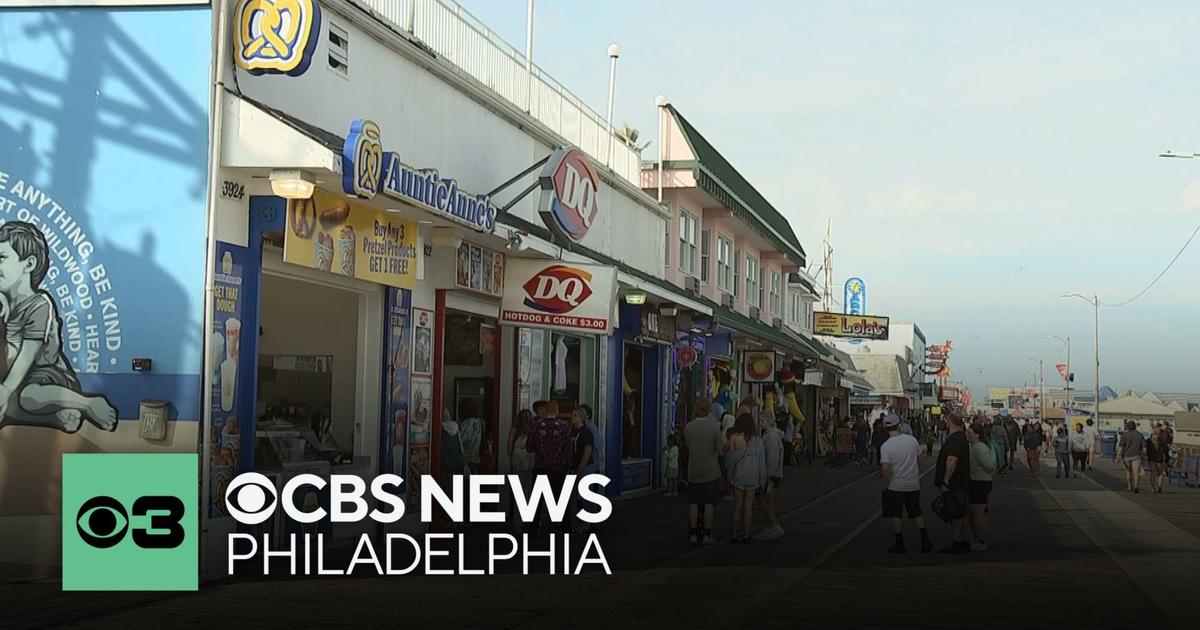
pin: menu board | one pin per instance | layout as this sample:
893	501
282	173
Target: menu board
479	269
332	234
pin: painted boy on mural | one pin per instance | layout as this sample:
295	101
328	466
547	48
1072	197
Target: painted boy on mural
38	385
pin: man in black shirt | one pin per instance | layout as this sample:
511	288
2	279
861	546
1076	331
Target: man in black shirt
582	458
953	479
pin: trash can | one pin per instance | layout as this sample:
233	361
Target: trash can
1108	444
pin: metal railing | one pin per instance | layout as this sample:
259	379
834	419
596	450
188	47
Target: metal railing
462	39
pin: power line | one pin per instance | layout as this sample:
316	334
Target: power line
1160	275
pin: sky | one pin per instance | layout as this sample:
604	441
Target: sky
975	160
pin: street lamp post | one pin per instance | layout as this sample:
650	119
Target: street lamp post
1041	389
1066	419
1095	302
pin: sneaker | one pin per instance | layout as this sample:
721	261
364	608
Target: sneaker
897	547
694	538
769	533
708	539
979	546
961	547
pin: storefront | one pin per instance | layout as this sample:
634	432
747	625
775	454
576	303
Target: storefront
310	348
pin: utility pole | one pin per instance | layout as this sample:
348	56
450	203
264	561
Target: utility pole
529	58
1096	341
1067	419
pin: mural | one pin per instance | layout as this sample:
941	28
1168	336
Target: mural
103	164
39	387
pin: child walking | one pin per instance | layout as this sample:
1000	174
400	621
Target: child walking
672	457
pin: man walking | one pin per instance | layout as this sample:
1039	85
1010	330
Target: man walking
550	442
1130	450
953	479
902	484
704	441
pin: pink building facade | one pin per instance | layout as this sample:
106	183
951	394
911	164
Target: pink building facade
730	247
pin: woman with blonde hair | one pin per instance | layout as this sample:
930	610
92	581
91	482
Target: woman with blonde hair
747	473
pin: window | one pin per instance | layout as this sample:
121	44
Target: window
808	316
724	265
687	243
737	273
776	293
705	254
794	308
753	276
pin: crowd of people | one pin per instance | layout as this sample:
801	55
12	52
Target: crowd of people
544	445
740	457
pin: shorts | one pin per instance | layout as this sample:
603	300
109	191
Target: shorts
707	493
979	491
769	488
896	502
1133	463
672	472
956	502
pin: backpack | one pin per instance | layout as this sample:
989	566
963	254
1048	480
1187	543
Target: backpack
522	459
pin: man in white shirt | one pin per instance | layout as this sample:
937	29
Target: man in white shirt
902	483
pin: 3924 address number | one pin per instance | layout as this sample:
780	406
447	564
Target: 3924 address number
233	190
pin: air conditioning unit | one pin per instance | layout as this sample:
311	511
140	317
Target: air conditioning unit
777	322
754	312
692	284
726	300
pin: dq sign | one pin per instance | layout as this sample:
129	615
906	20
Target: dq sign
554	294
558	289
570	193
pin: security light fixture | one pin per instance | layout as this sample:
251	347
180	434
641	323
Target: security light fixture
292	184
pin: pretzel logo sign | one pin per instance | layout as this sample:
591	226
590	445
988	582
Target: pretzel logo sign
362	160
276	36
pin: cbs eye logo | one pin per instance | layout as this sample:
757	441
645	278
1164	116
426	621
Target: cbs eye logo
102	522
251	498
130	521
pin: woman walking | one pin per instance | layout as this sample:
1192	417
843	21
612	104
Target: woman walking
1033	447
521	458
747	472
1062	454
1156	454
772	439
983	466
1081	443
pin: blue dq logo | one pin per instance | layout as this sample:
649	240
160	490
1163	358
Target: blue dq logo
276	36
362	160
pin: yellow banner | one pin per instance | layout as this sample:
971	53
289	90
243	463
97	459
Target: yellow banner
332	233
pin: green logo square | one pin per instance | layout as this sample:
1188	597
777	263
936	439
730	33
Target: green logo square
129	522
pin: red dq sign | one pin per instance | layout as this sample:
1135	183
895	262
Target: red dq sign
558	289
570	193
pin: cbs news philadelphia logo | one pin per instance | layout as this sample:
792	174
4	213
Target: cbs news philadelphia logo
129	522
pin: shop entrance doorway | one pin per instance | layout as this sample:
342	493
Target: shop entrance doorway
470	372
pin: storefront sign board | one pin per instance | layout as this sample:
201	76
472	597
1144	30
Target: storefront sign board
367	170
570	193
850	326
479	269
559	295
758	366
330	233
